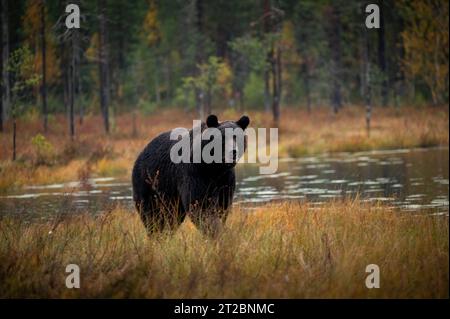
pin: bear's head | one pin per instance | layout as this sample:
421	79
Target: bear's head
223	143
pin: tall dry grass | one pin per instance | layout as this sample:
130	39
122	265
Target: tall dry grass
288	250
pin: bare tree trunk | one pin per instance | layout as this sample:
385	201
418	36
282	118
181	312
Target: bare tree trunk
279	79
1	70
134	120
199	95
306	85
266	30
80	94
72	85
76	78
103	65
14	139
367	88
305	71
5	58
267	90
276	74
156	78
66	85
44	67
167	74
71	101
335	47
382	58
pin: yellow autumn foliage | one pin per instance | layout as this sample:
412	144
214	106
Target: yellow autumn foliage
425	41
151	25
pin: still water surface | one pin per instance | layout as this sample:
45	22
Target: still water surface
412	180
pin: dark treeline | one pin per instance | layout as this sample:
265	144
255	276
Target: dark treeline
137	56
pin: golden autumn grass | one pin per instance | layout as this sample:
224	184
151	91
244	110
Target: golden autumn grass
95	154
285	250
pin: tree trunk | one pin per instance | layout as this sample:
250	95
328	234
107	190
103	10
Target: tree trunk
134	120
266	30
156	79
44	67
122	34
66	92
14	139
367	88
199	95
335	47
168	79
1	70
77	89
72	85
80	94
279	79
305	70
276	75
267	90
5	58
382	58
71	101
306	86
103	64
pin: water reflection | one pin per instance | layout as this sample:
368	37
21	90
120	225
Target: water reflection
412	180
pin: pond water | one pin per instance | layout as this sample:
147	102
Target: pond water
412	180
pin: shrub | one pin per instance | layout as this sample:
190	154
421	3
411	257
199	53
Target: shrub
147	106
254	91
43	150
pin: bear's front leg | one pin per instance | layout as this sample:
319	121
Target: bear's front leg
151	217
207	201
206	213
209	220
159	214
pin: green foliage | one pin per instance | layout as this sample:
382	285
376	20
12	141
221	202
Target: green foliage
254	50
214	78
43	150
254	91
214	75
146	106
21	68
165	51
185	96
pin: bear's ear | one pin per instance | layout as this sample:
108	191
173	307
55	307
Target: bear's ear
243	122
212	121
